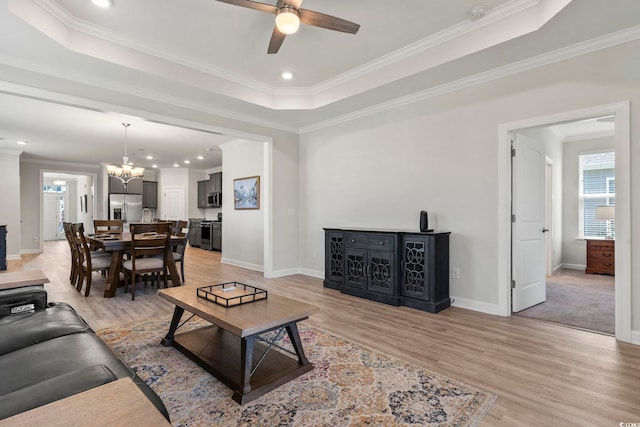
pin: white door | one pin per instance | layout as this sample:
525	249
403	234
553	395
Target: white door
528	228
173	203
53	216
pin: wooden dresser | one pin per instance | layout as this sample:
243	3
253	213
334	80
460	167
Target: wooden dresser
601	257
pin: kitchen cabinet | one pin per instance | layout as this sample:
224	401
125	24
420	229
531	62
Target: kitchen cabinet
150	194
206	187
391	267
202	194
216	182
601	257
133	187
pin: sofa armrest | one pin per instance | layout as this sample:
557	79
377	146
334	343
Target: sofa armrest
22	300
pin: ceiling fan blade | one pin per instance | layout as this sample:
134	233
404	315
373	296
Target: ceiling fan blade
329	22
252	5
276	41
293	3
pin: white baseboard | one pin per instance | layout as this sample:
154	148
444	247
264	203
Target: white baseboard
313	273
474	305
282	273
635	337
18	257
248	266
574	266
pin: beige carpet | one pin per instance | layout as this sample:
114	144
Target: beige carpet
350	386
585	301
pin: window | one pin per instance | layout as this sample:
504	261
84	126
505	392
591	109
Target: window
597	188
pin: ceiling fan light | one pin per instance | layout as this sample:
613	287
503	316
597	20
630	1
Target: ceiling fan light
287	20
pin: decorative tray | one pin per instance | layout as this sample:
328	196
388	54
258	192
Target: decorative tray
231	293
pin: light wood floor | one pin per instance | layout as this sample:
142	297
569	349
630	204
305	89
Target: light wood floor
544	374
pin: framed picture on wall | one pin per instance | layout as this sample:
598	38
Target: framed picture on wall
246	193
83	203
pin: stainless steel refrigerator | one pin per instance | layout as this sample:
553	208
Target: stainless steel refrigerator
127	207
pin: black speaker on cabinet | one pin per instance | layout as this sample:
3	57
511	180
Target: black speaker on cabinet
424	222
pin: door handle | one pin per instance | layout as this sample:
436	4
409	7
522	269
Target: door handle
544	230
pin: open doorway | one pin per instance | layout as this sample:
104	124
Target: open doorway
66	197
578	181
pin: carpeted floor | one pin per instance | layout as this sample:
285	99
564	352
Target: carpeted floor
350	386
585	301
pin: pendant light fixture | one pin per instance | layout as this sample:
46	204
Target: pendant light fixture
125	172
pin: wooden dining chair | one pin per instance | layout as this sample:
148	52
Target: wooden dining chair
108	226
181	229
73	249
89	261
149	251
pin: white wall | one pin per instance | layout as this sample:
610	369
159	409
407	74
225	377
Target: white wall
574	248
10	213
243	230
440	155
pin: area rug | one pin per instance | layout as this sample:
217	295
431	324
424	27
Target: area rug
351	385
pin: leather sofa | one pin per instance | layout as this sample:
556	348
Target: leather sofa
48	352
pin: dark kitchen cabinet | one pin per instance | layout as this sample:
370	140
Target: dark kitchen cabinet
150	194
202	194
392	267
133	187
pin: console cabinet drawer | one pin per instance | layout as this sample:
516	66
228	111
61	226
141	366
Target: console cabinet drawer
377	242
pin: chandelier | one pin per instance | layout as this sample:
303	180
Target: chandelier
125	172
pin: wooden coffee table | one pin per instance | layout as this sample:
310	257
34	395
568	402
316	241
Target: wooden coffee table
228	348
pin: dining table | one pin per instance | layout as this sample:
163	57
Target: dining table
118	245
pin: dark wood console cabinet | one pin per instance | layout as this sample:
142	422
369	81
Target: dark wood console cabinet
391	267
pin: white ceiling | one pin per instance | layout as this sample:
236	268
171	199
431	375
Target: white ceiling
210	57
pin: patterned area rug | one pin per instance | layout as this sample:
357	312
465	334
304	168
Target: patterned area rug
351	385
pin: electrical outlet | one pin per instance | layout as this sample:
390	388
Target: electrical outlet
455	273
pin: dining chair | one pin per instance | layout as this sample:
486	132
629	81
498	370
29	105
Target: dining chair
181	229
88	261
73	249
149	251
108	226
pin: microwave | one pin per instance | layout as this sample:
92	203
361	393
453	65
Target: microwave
214	200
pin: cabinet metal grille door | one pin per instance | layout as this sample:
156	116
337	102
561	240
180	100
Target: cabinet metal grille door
414	274
356	269
381	277
336	258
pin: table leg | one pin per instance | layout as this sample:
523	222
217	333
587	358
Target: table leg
113	277
175	320
294	336
173	271
246	362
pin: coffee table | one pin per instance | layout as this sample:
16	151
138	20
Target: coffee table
227	348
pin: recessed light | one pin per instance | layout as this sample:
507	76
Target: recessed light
22	142
103	3
176	165
149	157
154	166
200	157
287	75
186	162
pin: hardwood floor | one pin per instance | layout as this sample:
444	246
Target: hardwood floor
544	374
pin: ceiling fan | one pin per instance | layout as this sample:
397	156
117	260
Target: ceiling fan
288	18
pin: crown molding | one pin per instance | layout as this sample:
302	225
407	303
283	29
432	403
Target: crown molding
58	163
583	48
